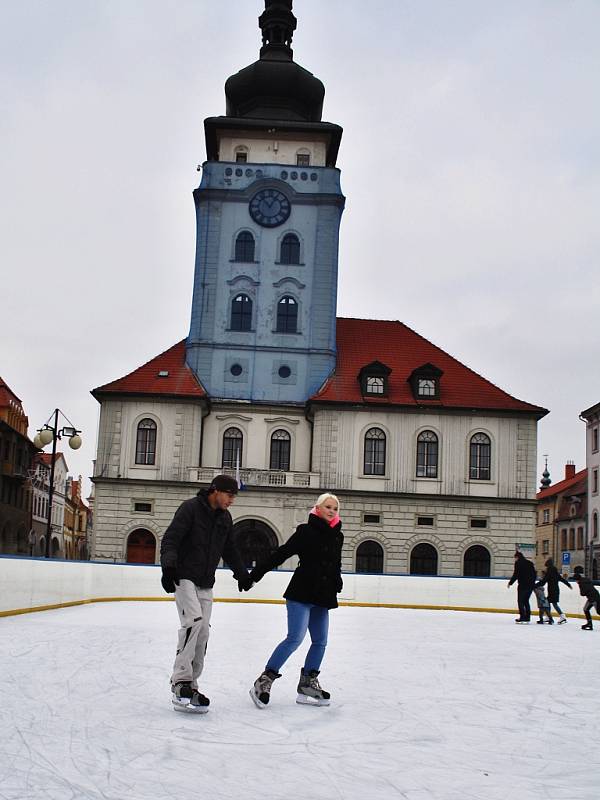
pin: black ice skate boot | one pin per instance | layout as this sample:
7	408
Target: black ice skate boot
309	690
587	627
261	691
186	698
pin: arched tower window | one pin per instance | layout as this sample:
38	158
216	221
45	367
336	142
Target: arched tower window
232	448
374	458
145	446
241	313
244	247
287	315
427	455
424	560
290	249
477	562
480	456
280	451
369	557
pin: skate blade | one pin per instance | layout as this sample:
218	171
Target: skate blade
188	708
304	700
256	700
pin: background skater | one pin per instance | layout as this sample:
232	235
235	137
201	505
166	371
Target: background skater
310	594
525	576
589	591
200	534
552	578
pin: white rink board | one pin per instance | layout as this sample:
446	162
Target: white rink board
37	583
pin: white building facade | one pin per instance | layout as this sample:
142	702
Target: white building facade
591	416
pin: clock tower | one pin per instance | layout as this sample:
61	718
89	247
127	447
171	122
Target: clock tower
268	212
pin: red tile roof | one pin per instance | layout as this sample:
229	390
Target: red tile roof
564	485
179	380
362	341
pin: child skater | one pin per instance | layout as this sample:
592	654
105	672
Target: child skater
589	591
310	594
542	601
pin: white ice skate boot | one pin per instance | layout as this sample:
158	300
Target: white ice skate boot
562	619
310	692
186	698
261	691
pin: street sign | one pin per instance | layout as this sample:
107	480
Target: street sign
566	558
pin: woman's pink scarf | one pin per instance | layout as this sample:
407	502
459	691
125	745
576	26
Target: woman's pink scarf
315	510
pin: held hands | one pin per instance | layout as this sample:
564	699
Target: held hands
169	579
245	583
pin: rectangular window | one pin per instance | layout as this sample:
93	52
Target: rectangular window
571	538
429	521
302	160
546	546
241	158
580	538
546	516
478	522
143	508
594	440
563	539
595	481
372	519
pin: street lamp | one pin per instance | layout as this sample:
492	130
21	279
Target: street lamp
51	433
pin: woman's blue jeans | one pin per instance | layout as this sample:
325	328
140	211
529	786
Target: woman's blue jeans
300	618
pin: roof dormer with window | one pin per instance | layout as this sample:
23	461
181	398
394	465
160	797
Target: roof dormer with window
374	379
425	382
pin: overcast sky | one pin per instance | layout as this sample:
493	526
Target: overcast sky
470	162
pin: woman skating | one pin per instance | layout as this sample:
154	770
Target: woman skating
309	596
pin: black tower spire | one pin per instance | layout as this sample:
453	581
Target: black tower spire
278	25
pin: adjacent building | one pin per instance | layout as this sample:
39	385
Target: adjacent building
434	464
561	522
591	416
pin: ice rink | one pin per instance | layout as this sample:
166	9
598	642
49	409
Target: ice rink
425	704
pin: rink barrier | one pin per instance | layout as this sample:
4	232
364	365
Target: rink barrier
36	584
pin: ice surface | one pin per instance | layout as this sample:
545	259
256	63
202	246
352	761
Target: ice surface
425	705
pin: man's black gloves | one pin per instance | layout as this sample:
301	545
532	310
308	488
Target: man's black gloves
245	583
340	585
169	579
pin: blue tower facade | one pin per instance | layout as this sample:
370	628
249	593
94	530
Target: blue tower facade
268	213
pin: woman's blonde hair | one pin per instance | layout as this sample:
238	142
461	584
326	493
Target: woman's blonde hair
326	496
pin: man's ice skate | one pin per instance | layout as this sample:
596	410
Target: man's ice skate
587	627
261	690
310	692
186	698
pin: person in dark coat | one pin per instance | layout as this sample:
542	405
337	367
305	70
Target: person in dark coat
588	590
311	593
200	534
525	576
552	578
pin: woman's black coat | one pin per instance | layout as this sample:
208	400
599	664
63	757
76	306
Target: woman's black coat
552	578
317	578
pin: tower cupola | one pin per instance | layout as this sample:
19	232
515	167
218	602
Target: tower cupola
275	87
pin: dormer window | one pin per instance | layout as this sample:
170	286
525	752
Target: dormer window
425	382
374	379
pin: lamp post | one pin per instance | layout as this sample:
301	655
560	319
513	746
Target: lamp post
52	433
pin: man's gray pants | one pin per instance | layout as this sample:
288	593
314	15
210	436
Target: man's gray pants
194	607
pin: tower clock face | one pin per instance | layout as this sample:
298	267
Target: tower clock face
269	208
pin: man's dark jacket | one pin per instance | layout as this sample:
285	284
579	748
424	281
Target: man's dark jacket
197	539
524	573
317	578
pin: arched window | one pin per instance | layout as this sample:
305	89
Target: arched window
427	455
287	315
244	247
145	447
369	557
241	313
477	562
232	448
280	451
241	154
290	249
374	461
424	560
254	540
480	456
